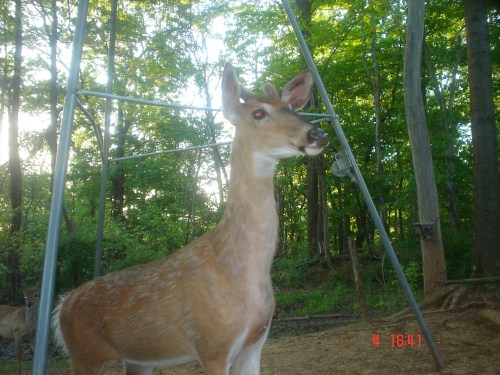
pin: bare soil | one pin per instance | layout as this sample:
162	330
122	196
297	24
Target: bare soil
468	344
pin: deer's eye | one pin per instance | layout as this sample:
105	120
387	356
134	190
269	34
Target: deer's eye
259	114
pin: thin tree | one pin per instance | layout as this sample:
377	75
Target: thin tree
117	175
486	216
447	124
203	86
432	246
317	213
373	74
14	158
53	35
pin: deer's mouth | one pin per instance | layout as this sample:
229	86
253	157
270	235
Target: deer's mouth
312	150
318	141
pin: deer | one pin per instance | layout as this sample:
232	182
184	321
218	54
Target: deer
19	323
211	301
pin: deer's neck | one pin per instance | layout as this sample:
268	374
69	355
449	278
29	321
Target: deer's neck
250	221
30	317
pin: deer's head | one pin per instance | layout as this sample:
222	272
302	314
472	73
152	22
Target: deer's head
270	122
32	297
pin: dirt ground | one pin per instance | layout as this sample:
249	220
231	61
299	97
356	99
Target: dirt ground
468	344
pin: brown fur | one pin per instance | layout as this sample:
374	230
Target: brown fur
213	299
19	323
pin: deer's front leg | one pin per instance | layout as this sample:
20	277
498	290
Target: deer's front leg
132	369
248	360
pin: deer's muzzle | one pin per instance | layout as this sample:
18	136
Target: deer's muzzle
318	137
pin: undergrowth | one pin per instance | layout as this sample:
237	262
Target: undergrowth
8	363
309	302
305	288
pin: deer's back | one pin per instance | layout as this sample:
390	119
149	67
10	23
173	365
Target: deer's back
13	323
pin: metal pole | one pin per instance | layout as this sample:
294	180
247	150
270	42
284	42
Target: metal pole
191	148
122	98
144	101
106	141
362	185
50	264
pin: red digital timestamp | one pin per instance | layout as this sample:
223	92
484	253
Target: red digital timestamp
399	340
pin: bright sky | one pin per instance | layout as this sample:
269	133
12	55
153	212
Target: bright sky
27	123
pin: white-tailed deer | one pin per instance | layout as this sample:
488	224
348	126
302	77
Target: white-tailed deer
19	323
211	301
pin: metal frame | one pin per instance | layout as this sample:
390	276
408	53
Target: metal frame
52	244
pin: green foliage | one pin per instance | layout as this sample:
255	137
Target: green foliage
308	302
413	274
290	272
305	287
170	51
9	365
76	259
457	252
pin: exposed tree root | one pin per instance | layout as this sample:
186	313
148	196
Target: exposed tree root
479	280
439	295
451	297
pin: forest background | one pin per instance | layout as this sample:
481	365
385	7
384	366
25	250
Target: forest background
174	51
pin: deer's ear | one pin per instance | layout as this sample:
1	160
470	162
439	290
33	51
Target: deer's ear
270	91
231	92
298	91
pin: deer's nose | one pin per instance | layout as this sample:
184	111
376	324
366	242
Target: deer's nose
319	136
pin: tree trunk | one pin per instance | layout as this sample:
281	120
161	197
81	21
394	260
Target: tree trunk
14	159
486	217
51	24
218	164
363	307
217	158
3	87
315	210
447	125
312	194
323	234
374	77
118	173
52	129
432	248
192	193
